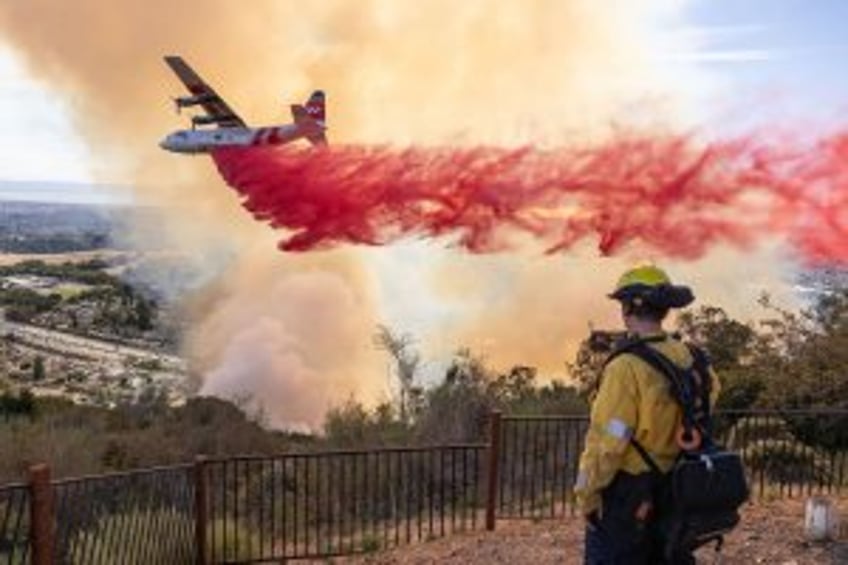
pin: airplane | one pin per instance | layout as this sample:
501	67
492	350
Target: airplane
231	131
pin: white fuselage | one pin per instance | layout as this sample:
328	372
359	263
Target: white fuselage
206	140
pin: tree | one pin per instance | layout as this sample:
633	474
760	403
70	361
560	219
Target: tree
21	404
727	341
143	314
457	409
808	354
7	404
735	352
38	372
407	361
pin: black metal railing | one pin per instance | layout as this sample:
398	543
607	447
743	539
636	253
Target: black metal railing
789	452
538	465
14	524
325	504
786	453
137	517
310	505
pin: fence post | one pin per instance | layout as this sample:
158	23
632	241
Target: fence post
493	474
201	509
41	514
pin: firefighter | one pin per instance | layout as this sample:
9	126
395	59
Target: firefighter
616	490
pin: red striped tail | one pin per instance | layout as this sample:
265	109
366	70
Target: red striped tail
315	106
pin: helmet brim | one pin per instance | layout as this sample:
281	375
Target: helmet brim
661	296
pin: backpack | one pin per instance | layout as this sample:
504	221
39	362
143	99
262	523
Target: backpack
707	484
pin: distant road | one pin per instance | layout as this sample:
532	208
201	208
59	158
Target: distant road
56	258
87	347
7	259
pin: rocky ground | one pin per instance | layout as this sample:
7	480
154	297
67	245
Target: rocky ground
770	533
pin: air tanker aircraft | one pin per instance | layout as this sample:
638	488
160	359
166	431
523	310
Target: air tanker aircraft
231	131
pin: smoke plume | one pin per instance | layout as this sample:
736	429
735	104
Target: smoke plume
291	340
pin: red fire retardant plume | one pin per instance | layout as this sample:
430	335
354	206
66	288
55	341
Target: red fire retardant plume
672	194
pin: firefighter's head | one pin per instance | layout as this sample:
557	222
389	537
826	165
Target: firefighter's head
646	293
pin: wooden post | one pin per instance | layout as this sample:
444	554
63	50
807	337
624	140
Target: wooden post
41	515
493	474
201	510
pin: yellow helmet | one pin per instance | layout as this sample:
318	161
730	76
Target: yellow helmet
653	285
644	275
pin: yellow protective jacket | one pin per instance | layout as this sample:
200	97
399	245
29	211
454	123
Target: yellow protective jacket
633	400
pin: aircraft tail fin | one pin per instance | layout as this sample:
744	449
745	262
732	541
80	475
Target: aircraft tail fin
315	106
311	117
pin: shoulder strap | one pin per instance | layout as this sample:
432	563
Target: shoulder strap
701	369
627	344
682	388
646	457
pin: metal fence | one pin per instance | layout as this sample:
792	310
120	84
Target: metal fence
538	465
311	505
786	453
137	517
318	505
790	452
14	524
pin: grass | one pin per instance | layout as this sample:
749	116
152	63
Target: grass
229	535
370	544
68	290
158	541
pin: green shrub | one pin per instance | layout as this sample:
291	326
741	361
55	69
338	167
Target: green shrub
38	372
786	461
370	544
231	541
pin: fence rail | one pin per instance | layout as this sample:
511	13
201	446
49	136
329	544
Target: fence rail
317	505
339	503
138	517
538	465
14	524
786	453
790	452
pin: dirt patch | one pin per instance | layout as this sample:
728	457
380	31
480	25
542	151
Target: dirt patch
770	533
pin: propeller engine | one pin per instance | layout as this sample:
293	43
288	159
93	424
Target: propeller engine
204	120
181	102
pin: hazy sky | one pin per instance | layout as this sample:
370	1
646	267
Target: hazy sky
765	58
787	55
43	157
36	124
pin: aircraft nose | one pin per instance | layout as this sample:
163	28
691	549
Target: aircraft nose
166	144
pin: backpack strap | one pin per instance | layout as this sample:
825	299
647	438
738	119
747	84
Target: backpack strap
646	457
682	385
701	370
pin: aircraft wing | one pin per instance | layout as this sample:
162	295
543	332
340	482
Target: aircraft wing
213	104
